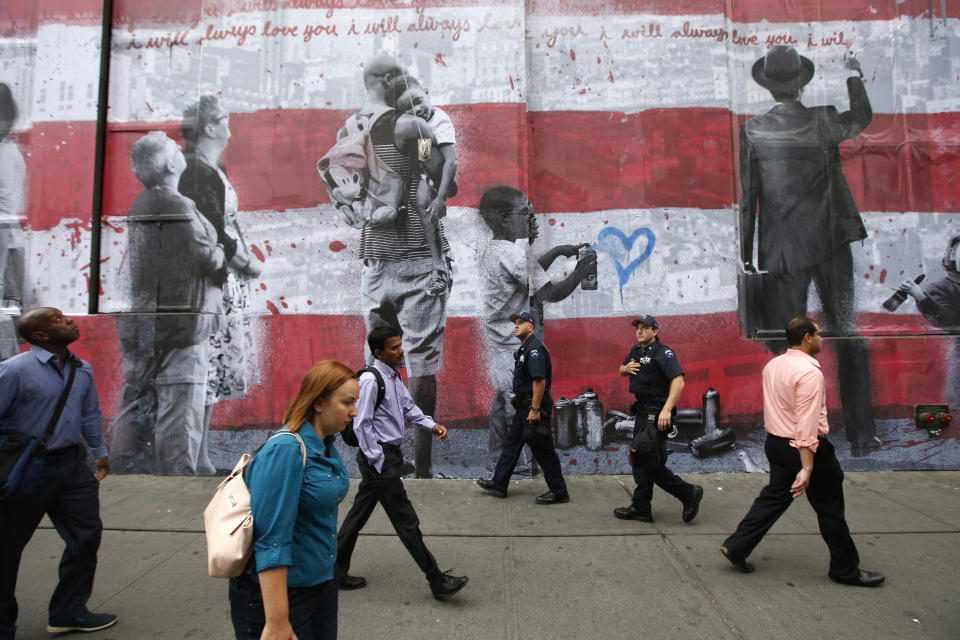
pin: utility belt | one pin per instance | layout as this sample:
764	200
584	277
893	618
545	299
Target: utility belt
523	402
647	406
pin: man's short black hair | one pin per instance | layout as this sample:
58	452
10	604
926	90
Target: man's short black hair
32	321
798	328
377	338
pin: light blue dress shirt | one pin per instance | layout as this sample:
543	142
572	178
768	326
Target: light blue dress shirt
31	384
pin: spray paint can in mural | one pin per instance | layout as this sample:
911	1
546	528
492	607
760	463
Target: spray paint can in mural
565	423
593	421
589	281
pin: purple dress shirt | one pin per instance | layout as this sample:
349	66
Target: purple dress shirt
385	423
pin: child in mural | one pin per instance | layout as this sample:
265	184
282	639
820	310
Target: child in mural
173	256
438	172
512	279
13	197
233	363
397	263
939	303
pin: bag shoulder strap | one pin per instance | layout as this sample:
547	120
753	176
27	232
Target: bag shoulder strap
303	447
61	402
381	385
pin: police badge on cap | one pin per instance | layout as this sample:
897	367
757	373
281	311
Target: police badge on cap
526	316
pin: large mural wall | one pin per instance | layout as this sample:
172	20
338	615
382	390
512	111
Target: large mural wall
643	135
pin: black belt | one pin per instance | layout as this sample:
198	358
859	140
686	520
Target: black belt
63	452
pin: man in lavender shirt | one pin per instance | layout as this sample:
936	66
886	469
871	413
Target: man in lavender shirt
379	429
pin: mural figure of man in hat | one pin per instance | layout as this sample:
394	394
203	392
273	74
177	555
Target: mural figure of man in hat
792	181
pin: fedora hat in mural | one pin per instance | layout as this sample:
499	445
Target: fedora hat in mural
782	69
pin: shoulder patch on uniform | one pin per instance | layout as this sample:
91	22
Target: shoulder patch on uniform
669	353
534	353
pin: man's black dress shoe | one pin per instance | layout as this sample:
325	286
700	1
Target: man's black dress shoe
552	498
862	579
492	487
446	585
692	505
348	582
632	513
741	564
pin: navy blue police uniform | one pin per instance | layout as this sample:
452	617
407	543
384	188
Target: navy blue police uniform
532	362
650	385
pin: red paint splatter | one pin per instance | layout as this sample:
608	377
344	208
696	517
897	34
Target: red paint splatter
293	245
870	267
284	305
148	106
309	301
255	250
598	59
573	462
883	276
552	221
438	59
273	308
336	246
263	286
573	56
512	86
866	276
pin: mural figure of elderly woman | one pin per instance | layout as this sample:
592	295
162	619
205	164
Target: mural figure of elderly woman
13	197
233	363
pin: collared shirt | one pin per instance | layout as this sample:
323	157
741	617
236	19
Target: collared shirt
31	384
658	368
295	506
795	399
532	362
385	423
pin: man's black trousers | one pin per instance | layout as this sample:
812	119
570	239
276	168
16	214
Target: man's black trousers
825	493
387	489
541	446
69	494
662	476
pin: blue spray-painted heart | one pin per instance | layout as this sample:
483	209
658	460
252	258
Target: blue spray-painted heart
624	272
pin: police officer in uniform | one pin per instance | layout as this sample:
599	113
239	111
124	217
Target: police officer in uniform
656	381
531	423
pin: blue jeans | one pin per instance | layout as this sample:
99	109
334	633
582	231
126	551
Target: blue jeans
313	610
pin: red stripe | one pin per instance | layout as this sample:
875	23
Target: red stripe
586	353
748	10
687	158
579	161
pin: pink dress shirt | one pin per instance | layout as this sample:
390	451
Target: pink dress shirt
794	399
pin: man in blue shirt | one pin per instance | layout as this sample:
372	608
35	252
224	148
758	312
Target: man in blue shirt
30	385
379	429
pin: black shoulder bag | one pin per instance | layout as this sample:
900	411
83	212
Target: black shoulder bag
22	456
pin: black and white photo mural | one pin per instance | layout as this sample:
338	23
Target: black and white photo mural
282	176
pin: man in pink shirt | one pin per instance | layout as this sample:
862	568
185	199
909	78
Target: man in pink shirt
802	460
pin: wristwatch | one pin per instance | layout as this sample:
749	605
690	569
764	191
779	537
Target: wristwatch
535	409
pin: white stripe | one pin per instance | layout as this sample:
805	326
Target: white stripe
692	269
54	75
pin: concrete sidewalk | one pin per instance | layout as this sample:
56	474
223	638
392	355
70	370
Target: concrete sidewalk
563	571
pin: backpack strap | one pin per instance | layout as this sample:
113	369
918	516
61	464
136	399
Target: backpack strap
381	386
